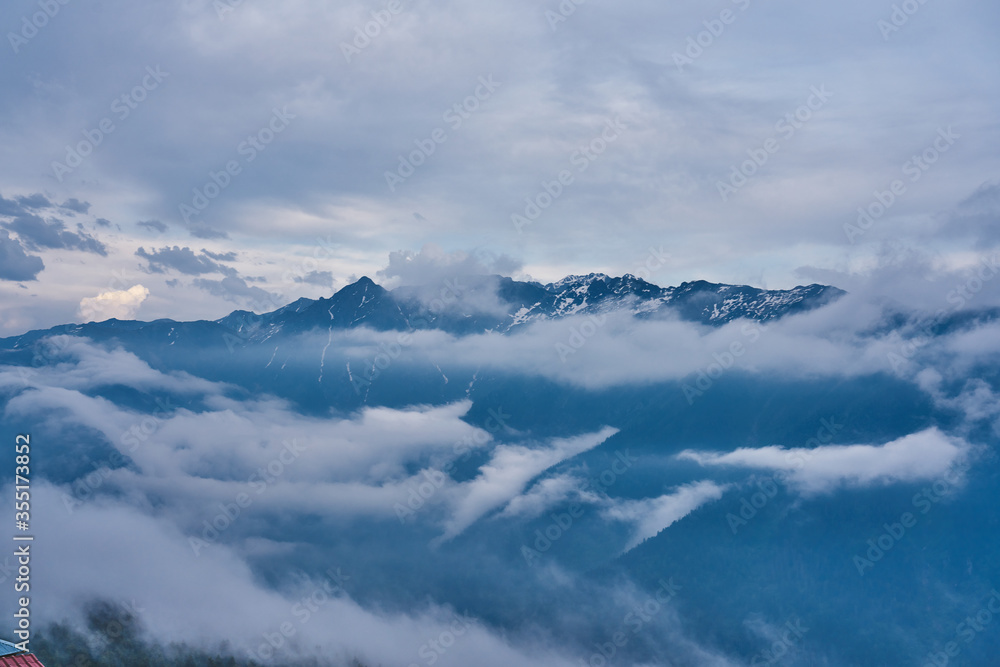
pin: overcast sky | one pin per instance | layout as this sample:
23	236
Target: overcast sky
114	117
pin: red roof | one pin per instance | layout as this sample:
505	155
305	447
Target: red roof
20	660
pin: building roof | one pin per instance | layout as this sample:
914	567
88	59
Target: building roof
12	656
20	660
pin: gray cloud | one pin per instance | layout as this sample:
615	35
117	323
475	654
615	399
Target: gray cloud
220	256
325	174
457	282
10	207
180	259
37	233
216	594
75	205
235	289
35	201
15	264
207	233
432	265
23	204
320	278
358	466
978	215
152	225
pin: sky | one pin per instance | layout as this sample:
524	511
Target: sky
185	159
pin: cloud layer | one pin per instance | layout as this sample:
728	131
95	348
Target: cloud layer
918	457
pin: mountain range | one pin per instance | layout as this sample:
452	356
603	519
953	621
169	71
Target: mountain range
466	305
701	416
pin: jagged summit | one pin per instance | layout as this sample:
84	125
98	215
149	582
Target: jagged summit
576	282
273	351
490	303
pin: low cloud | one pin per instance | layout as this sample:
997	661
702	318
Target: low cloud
652	515
507	474
548	493
431	264
977	216
920	456
455	282
215	594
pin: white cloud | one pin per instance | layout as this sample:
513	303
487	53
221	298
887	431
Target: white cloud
651	515
120	304
508	472
215	596
359	465
547	493
915	457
